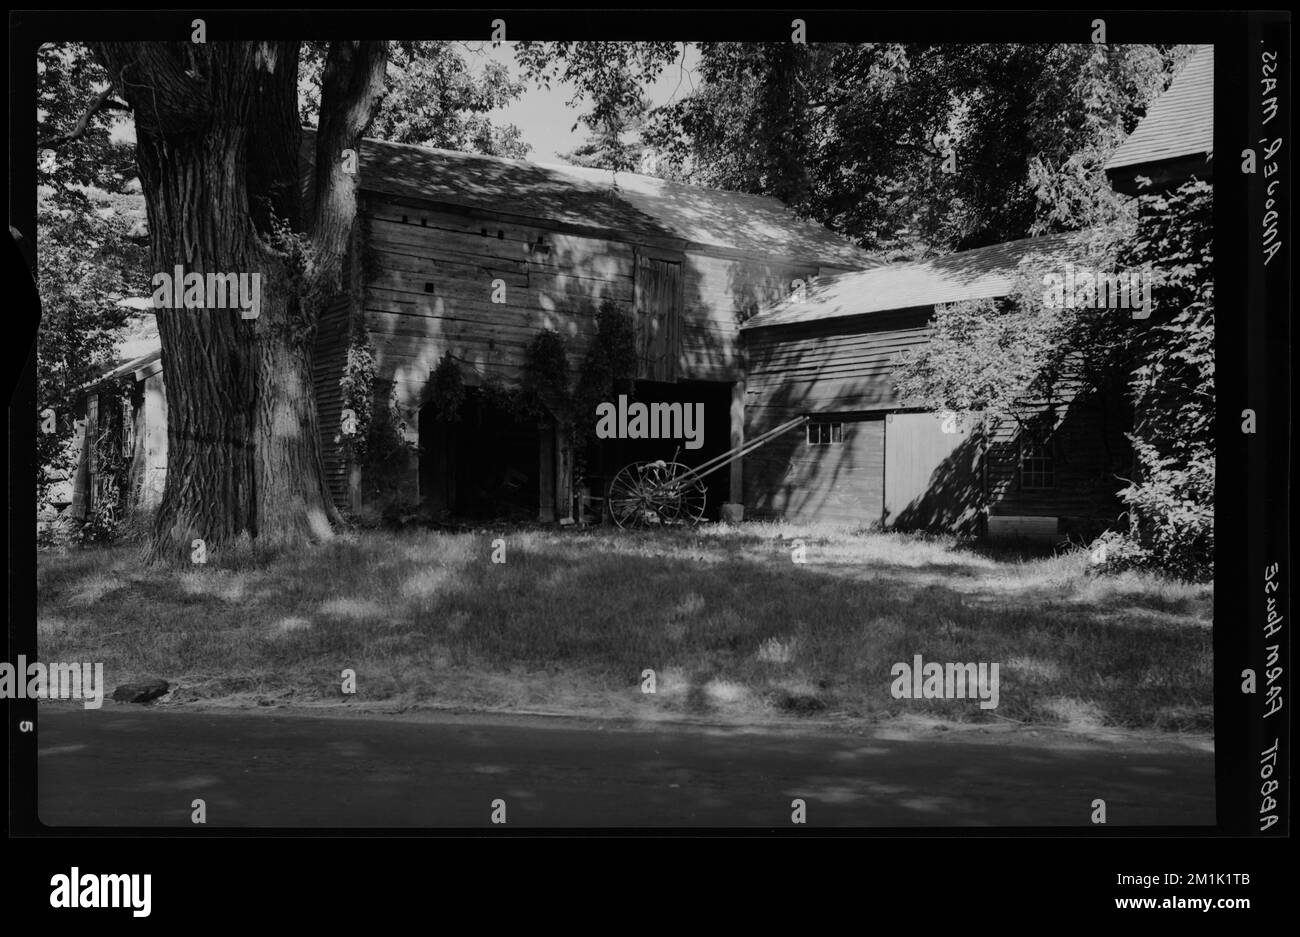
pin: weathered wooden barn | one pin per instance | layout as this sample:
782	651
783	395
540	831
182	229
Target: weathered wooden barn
736	304
871	457
868	457
471	256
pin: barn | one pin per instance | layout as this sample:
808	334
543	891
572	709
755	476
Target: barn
469	257
872	458
868	458
472	256
736	304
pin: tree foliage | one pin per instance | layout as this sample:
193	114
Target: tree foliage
91	241
858	136
1171	501
434	98
613	142
999	359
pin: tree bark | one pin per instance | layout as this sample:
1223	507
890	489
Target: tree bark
293	503
191	142
217	145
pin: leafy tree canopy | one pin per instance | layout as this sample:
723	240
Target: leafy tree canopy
434	98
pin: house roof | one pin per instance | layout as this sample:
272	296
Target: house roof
139	350
142	366
982	273
600	201
1179	123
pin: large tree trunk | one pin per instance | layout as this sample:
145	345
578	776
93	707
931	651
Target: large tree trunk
191	141
217	145
293	505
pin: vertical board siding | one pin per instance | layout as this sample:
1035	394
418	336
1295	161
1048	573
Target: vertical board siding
932	478
720	294
329	363
657	311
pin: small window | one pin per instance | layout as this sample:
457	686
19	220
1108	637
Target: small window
825	434
1037	460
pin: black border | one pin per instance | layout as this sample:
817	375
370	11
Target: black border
1253	369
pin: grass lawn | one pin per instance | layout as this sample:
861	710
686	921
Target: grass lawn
731	625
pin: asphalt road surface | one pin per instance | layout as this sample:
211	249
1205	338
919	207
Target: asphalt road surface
135	766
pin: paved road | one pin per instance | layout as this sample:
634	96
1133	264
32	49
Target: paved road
143	767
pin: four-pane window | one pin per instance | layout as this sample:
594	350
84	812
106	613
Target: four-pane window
825	434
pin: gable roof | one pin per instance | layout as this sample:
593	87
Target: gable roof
138	349
982	273
141	366
1179	123
620	204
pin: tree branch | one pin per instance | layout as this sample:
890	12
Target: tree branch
156	79
352	87
100	102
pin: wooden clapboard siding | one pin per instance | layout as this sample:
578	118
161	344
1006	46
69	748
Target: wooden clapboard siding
430	286
719	294
845	364
431	277
1091	455
840	483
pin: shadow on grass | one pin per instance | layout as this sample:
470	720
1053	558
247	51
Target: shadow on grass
728	624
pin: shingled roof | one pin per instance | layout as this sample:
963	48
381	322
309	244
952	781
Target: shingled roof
982	273
1179	123
599	201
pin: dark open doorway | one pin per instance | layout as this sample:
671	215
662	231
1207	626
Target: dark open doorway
483	466
606	457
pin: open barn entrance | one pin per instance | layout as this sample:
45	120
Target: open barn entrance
606	457
483	466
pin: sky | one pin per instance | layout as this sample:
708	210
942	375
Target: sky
544	118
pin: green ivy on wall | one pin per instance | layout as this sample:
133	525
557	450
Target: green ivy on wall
377	434
447	389
609	368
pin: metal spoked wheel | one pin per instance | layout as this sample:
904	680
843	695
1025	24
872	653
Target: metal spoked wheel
656	494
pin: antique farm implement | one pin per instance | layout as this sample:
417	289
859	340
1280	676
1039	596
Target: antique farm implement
659	493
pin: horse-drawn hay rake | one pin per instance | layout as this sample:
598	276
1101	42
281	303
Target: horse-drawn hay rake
665	494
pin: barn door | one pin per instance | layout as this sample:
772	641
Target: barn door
657	305
932	472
